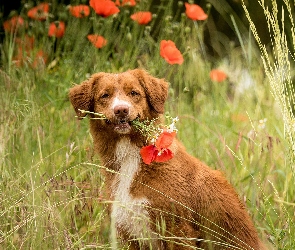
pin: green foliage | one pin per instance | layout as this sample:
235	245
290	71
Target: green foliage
53	198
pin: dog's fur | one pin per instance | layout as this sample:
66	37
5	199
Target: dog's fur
170	205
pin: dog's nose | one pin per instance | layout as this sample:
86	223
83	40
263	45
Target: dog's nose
121	110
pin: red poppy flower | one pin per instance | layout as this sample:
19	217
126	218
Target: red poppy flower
57	29
160	151
195	12
217	75
40	12
170	53
97	41
13	23
125	2
80	10
142	17
104	8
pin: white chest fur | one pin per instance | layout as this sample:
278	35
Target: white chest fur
129	213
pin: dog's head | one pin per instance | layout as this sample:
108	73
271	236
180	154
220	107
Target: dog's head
122	98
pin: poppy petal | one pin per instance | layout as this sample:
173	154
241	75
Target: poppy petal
14	23
40	12
57	29
217	75
142	17
195	12
165	139
97	40
80	11
104	8
165	155
148	153
170	53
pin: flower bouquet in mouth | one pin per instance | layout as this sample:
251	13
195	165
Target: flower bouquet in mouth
159	139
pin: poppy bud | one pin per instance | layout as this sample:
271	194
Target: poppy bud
187	29
129	36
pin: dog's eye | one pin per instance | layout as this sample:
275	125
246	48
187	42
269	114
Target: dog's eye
105	96
134	93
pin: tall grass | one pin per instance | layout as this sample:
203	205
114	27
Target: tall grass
278	69
53	198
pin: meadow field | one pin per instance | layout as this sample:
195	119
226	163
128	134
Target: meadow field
236	113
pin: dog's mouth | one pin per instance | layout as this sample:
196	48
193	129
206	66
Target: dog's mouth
121	126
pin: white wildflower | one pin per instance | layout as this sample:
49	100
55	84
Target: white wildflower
262	123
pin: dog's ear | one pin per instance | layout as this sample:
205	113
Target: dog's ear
81	96
155	88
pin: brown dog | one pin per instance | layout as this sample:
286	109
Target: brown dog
177	204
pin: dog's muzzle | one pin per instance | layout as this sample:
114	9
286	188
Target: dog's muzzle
121	119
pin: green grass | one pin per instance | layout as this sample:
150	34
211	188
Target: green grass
53	198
